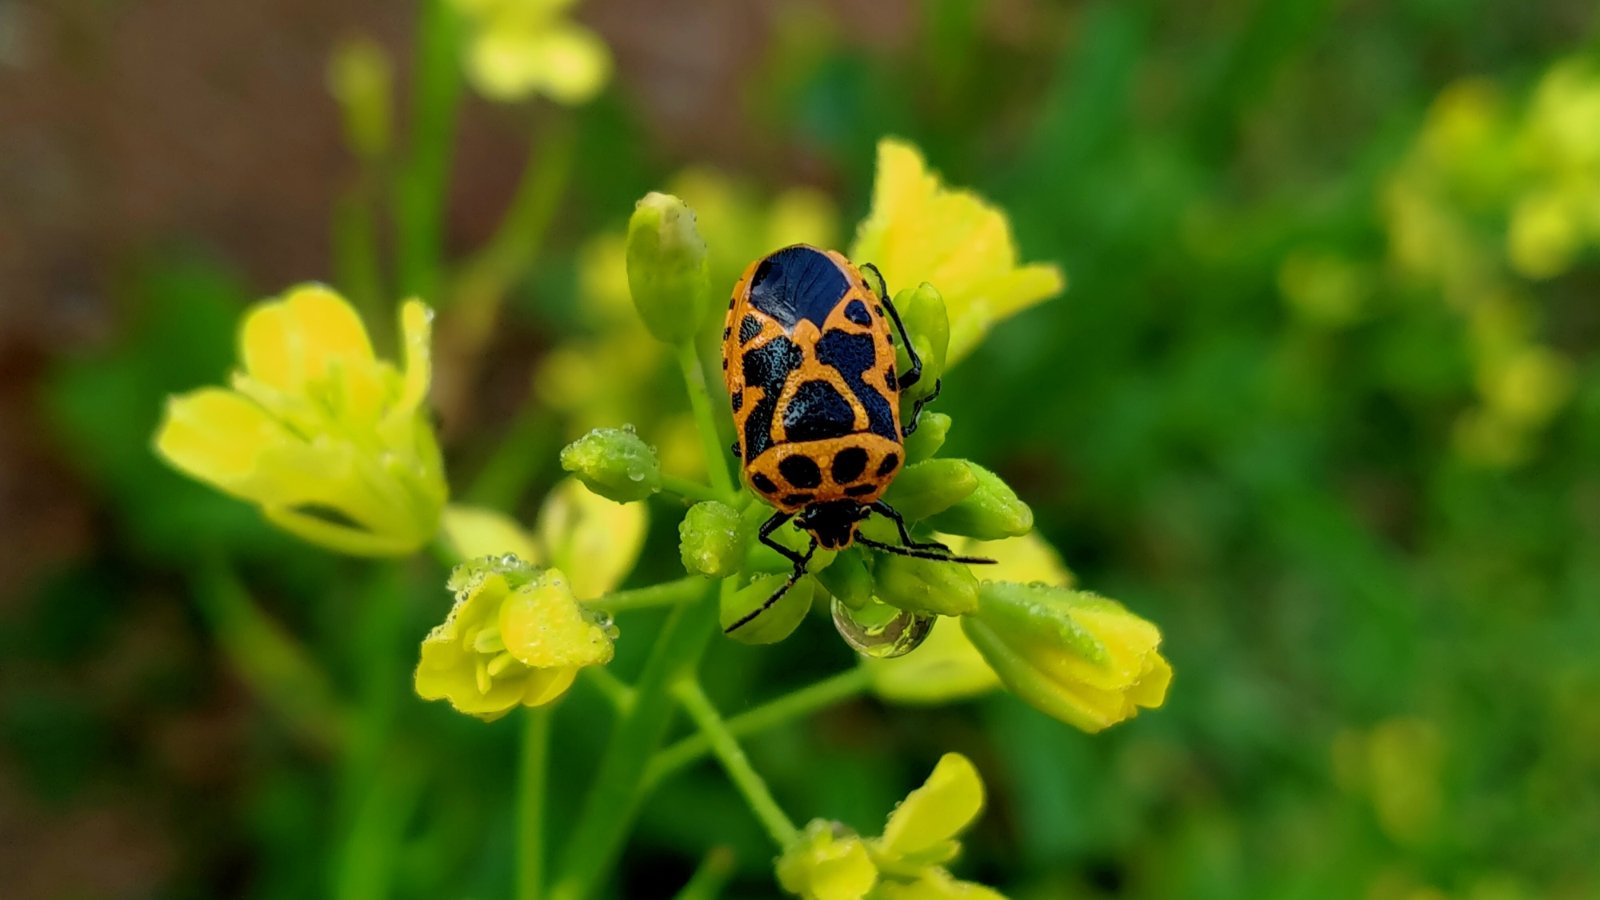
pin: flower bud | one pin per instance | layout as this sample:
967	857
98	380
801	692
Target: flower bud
778	621
926	585
614	463
922	312
712	539
989	513
827	862
932	486
1076	656
667	268
516	636
848	578
361	77
594	539
928	438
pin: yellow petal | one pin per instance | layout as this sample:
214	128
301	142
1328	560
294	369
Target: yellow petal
543	626
545	685
920	231
591	538
220	437
936	884
302	337
1025	559
416	331
564	61
474	531
930	816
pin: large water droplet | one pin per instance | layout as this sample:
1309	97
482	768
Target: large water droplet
881	631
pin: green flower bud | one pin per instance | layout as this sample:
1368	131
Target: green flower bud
762	558
778	621
928	438
848	579
614	463
712	539
926	585
667	268
922	311
990	513
361	78
932	486
1073	655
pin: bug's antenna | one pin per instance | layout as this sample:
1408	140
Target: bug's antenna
923	554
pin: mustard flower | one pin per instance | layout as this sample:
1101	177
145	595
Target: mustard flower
1073	655
334	445
518	48
828	862
515	636
921	231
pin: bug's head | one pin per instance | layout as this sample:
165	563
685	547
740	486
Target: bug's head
833	524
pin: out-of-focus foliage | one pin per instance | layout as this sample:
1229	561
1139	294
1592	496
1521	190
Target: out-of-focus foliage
1321	399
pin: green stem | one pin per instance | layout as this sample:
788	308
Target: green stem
688	490
272	662
596	840
710	877
744	776
422	186
794	705
619	695
358	266
531	803
667	593
694	379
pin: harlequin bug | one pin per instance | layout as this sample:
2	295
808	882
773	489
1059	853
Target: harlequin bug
809	363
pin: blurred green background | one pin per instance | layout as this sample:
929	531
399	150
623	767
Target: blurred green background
1322	401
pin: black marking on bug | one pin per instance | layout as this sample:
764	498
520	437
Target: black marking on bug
860	490
738	400
749	327
758	427
889	462
798	499
770	364
852	355
848	464
727	331
893	382
801	471
797	283
817	412
879	308
856	311
763	484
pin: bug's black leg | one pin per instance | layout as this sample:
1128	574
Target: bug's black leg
882	286
913	376
799	560
916	409
893	515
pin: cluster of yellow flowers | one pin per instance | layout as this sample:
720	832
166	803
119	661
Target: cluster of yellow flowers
1494	197
337	446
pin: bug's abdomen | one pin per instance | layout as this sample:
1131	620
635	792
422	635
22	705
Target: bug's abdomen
792	476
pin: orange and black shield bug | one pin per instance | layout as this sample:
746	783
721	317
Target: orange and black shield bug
808	357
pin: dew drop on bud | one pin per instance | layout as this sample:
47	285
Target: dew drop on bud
881	631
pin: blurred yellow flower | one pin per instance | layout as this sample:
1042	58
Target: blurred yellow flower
515	636
921	231
518	48
333	444
827	862
1073	655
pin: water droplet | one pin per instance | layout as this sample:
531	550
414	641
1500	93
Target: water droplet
881	631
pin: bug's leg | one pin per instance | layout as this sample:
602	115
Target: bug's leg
882	286
893	515
916	409
800	560
915	375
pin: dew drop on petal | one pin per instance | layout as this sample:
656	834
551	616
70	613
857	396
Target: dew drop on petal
895	633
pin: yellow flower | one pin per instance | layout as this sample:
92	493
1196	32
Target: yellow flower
333	444
1076	656
827	862
946	667
518	48
921	231
516	635
579	532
